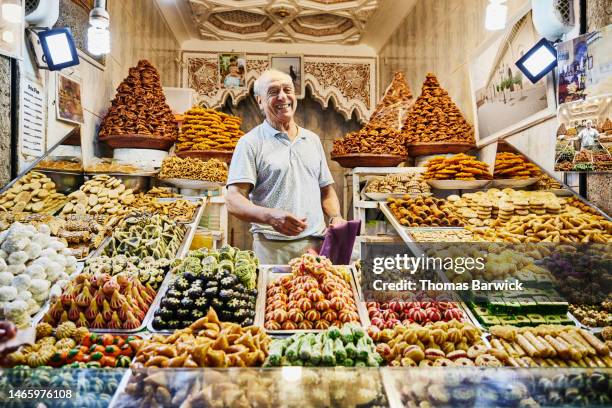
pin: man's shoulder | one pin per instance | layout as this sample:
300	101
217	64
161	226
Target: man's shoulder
310	134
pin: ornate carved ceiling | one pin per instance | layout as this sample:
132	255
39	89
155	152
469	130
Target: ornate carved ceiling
318	21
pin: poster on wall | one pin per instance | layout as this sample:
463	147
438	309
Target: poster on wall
585	66
584	136
32	140
292	65
505	100
232	70
68	101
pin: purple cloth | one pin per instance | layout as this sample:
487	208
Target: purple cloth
339	241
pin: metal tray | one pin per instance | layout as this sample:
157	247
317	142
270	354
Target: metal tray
143	325
267	275
180	253
595	330
164	288
197	215
469	318
120	388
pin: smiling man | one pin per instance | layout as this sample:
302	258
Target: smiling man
279	179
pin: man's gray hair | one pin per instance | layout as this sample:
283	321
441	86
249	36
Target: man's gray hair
258	86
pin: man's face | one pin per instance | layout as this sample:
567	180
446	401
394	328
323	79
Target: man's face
279	101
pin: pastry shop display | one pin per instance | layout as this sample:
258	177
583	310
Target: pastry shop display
33	269
586	388
313	388
593	315
428	310
84	233
550	346
463	387
514	166
569	227
139	108
424	211
528	307
33	193
434	118
483	207
449	235
142	234
582	273
75	347
582	206
8	218
87	388
60	165
179	210
148	270
373	138
102	195
391	110
224	280
440	344
193	169
548	183
208	129
458	167
103	166
313	297
410	183
349	346
162	192
102	301
207	342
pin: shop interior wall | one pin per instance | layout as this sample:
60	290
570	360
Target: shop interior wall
599	14
441	36
138	31
327	123
5	120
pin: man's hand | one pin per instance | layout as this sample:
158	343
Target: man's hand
336	221
285	222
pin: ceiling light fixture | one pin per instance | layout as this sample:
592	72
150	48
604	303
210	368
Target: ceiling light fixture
496	15
98	36
12	12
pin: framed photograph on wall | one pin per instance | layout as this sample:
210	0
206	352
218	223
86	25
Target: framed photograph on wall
232	70
584	65
68	102
292	65
505	101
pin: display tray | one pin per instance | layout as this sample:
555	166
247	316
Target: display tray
165	286
136	181
561	192
426	149
577	322
267	275
192	184
197	215
469	318
514	183
458	184
136	141
182	250
351	161
221	155
386	196
66	181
